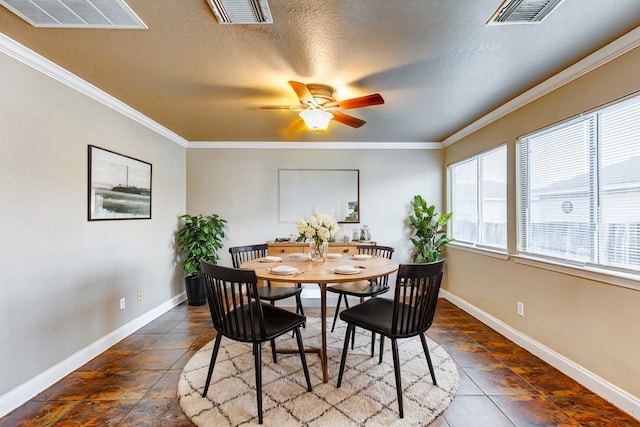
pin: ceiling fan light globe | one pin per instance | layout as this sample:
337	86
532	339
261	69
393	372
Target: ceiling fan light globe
316	119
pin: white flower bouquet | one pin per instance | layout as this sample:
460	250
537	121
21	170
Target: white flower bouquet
319	230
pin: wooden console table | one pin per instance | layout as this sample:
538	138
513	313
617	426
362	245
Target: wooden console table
285	248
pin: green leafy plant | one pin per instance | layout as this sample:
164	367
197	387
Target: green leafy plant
200	238
429	237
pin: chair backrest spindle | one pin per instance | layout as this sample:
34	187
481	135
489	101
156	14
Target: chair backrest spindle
242	254
416	296
381	251
236	312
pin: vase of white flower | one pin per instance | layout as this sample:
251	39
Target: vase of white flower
318	230
318	251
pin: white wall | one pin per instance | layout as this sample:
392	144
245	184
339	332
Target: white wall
241	185
61	276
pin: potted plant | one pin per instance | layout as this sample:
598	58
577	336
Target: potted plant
429	238
200	238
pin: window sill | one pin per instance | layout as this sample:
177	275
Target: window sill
624	280
478	250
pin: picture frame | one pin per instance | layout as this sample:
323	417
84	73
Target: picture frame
119	186
304	192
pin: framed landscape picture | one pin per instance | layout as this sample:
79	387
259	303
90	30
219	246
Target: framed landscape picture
119	186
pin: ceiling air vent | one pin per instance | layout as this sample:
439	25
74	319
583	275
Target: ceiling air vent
523	11
241	11
114	14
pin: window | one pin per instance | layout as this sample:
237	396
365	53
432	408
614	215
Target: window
478	199
579	192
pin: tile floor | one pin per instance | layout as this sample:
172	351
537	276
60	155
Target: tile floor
134	382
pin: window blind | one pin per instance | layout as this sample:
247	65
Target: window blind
493	196
478	199
464	201
579	194
619	185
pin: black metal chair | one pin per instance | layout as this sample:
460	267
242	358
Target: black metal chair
241	254
410	313
239	315
363	288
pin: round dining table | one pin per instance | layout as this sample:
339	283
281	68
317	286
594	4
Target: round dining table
298	268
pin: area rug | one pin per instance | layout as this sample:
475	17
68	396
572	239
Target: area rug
367	395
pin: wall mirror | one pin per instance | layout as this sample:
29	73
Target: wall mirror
304	192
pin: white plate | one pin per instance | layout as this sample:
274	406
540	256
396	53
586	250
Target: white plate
271	259
334	255
346	269
299	255
361	256
283	270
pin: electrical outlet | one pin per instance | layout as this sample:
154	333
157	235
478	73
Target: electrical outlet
139	296
122	303
520	309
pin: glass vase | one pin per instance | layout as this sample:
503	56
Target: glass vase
318	252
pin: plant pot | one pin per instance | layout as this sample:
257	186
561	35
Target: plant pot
196	294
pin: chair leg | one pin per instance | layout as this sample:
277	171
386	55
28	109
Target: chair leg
299	308
335	316
426	353
353	334
373	335
257	350
212	363
396	369
353	338
345	348
381	348
273	351
373	343
303	358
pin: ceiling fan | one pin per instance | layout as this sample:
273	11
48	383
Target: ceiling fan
318	105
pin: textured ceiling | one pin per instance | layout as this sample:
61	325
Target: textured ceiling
437	64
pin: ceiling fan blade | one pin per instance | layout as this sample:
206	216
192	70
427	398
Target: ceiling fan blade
359	102
303	93
347	120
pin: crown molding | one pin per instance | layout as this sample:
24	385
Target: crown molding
28	57
608	53
332	145
613	50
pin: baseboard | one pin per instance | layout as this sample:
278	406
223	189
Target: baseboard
612	393
27	390
618	397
